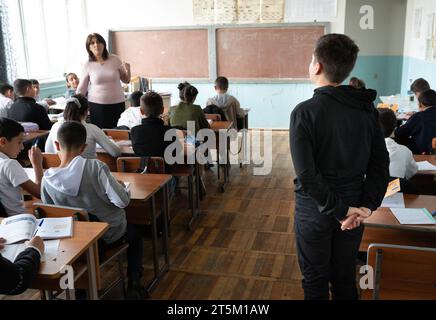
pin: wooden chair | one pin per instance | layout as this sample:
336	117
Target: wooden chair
50	160
402	272
118	134
132	164
113	253
213	116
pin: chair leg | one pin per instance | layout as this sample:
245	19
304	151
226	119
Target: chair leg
121	274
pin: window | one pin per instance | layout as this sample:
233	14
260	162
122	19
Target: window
52	34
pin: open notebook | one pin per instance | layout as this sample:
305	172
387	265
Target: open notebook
26	226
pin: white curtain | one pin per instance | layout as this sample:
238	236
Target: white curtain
7	61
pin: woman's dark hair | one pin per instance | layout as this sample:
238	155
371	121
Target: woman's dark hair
188	93
357	83
337	54
74	112
387	120
428	98
9	128
99	39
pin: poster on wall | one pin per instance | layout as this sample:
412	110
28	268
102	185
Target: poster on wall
311	10
203	11
248	11
430	52
272	11
226	11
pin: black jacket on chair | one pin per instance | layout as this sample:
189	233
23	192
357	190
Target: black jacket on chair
339	151
17	277
25	109
418	132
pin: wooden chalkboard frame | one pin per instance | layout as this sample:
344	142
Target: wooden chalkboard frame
212	48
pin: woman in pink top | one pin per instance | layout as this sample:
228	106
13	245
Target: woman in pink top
101	80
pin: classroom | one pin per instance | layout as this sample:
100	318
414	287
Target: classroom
217	150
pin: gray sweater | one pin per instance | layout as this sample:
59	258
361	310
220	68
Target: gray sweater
88	184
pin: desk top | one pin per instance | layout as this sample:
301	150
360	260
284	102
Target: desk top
70	249
384	218
221	125
429	158
143	186
32	135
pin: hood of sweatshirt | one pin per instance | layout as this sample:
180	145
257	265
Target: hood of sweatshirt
67	180
350	96
221	100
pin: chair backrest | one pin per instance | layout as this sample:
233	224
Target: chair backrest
213	116
118	134
402	272
42	210
50	160
433	145
132	164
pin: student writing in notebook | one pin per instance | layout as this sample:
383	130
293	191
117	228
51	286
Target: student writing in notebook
88	184
77	109
17	276
13	178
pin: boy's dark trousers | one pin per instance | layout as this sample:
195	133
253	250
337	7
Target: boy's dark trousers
326	254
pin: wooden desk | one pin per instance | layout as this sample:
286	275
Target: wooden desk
425	181
220	126
429	158
85	237
33	135
383	227
143	188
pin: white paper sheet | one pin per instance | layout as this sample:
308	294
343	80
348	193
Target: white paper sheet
394	201
413	216
425	166
51	247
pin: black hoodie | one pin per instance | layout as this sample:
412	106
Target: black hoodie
338	150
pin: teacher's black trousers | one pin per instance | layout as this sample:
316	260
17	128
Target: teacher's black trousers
105	116
326	254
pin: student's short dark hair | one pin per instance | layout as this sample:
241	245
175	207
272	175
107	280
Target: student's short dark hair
222	83
73	112
188	94
357	83
428	98
34	82
21	85
135	98
152	104
419	85
388	121
71	135
99	39
10	128
337	54
5	87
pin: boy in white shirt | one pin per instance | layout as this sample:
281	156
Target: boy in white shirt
6	96
12	175
402	164
133	115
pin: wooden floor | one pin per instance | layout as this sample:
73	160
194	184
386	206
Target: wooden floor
241	247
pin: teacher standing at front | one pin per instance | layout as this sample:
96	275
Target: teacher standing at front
101	81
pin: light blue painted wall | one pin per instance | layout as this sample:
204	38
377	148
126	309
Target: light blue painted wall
414	68
271	104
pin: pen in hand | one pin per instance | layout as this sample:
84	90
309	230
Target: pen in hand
37	229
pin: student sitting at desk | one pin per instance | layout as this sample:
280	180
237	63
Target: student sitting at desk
419	86
46	103
88	184
402	165
229	104
25	108
13	178
72	83
6	96
186	110
76	109
133	115
418	132
17	276
357	83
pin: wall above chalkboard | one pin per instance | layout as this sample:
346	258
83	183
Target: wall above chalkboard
246	53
